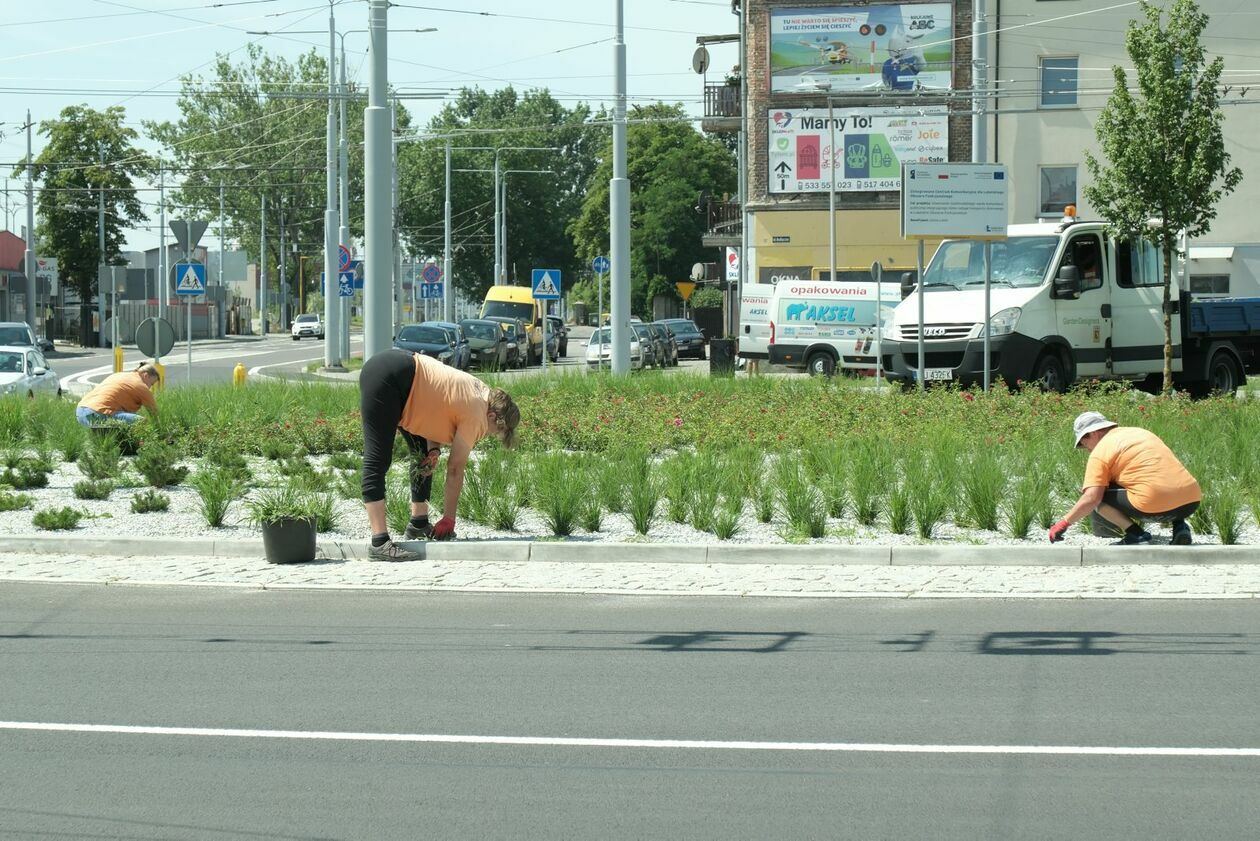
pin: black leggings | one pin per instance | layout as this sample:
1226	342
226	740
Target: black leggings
384	385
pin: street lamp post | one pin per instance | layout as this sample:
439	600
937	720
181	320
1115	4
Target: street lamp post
377	216
619	209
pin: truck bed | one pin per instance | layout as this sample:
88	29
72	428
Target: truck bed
1225	317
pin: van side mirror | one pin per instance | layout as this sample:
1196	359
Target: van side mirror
1068	283
907	284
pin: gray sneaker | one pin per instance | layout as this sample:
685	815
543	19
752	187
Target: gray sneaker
413	533
391	551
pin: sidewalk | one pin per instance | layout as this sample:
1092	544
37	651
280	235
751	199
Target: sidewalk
660	569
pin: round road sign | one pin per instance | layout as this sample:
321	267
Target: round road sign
155	337
343	257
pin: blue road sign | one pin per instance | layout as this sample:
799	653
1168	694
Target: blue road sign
356	266
343	257
601	265
190	279
431	273
345	284
429	291
546	284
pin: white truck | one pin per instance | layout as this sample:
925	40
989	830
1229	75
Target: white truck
820	326
1068	302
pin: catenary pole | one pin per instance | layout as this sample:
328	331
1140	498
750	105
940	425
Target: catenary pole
222	256
262	266
29	254
343	169
332	302
448	288
100	230
377	335
619	210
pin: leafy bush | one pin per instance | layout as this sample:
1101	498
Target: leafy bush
15	502
275	449
150	501
87	489
57	519
26	476
157	463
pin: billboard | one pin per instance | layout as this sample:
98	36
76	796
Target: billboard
870	148
855	49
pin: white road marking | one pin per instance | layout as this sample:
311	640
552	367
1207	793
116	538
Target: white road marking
658	744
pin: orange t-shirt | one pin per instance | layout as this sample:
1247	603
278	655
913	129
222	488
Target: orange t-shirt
122	392
1138	461
445	404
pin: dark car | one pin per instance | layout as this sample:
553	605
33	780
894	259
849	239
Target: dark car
667	346
561	332
487	343
459	343
426	339
687	336
517	335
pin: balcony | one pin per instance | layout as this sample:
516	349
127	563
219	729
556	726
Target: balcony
725	224
721	108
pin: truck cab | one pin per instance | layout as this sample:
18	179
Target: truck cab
518	302
1068	302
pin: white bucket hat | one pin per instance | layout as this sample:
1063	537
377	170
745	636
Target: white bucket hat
1087	422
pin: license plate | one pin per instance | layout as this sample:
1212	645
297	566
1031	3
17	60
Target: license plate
937	374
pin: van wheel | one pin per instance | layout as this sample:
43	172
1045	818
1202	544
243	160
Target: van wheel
1050	374
1223	377
821	365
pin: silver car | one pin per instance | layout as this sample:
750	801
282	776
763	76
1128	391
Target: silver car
23	370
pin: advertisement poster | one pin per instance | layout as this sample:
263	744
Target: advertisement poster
851	49
870	148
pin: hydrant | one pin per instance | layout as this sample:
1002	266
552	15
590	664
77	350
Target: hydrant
238	374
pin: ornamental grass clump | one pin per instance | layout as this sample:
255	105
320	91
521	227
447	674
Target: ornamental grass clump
930	495
802	504
227	460
323	508
1203	520
101	459
217	488
57	519
1226	511
827	468
87	489
560	484
983	486
726	520
898	503
150	502
643	493
397	500
591	514
610	479
15	502
1022	506
677	482
275	449
158	464
342	460
869	473
762	495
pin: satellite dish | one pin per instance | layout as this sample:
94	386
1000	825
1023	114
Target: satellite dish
697	272
700	60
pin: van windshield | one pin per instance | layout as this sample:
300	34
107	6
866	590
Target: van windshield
507	309
1018	261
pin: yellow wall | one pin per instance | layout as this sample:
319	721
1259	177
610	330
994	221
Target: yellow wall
862	237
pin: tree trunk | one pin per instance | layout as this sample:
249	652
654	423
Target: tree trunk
1168	349
85	325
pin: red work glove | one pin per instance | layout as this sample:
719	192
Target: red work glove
445	529
1058	530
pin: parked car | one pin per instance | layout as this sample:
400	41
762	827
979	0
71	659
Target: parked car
19	333
488	344
689	337
426	339
518	334
23	370
639	330
599	349
459	343
666	349
561	332
308	325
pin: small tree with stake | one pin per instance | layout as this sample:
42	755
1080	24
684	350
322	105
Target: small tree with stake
1164	149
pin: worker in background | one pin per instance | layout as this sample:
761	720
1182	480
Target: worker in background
120	397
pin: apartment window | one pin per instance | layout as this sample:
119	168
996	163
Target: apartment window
1209	284
1058	189
1059	82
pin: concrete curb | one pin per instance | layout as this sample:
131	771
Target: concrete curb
522	551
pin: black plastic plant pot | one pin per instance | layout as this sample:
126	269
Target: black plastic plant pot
290	540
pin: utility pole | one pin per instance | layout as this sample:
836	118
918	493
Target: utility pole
448	287
619	210
377	336
332	262
979	81
223	304
100	231
397	261
284	267
31	316
498	266
262	267
163	278
343	233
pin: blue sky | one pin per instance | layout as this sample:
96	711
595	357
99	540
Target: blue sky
132	52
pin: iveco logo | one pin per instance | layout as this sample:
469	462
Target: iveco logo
934	331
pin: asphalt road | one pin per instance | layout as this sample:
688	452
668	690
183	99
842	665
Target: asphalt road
302	714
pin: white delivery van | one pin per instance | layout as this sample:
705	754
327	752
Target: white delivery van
754	320
1068	302
820	326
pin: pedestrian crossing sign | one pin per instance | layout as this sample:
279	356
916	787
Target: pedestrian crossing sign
547	284
190	279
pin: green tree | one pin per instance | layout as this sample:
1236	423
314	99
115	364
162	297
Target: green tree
539	205
1164	147
88	152
669	163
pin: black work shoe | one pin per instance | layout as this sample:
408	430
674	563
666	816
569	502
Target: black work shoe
1182	536
424	532
391	551
1142	538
